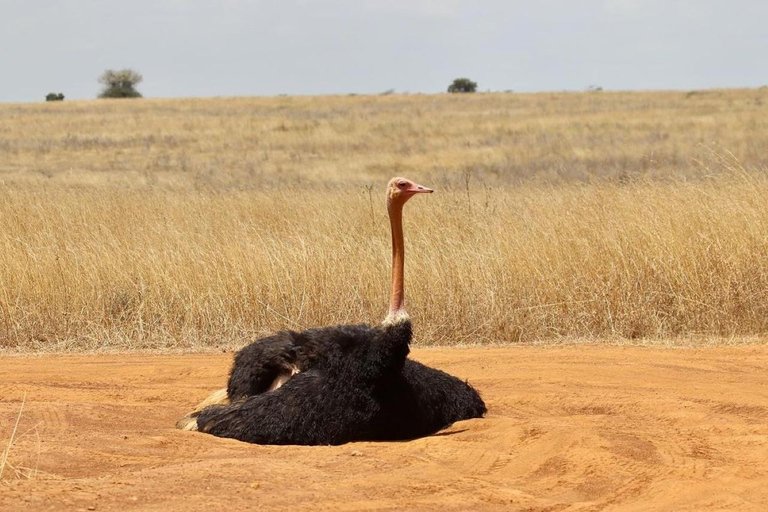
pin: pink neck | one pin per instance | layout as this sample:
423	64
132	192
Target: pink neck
397	296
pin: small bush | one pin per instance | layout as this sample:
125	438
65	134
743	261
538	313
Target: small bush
120	84
462	85
54	96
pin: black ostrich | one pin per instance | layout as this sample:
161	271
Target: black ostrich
338	384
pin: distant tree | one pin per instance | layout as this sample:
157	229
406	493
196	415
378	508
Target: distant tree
120	84
462	85
53	96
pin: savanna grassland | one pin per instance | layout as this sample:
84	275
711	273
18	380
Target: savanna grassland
205	222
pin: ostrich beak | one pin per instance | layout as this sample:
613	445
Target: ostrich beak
418	189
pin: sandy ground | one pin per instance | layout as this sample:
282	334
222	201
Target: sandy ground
576	428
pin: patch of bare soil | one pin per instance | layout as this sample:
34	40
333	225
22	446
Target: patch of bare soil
577	428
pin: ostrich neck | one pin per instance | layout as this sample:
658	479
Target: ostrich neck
397	296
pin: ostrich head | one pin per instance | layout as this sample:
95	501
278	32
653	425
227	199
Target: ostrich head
399	191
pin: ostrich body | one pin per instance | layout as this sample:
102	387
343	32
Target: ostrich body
338	384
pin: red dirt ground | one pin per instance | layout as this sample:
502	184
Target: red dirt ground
576	428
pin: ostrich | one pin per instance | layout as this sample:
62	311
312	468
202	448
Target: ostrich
338	384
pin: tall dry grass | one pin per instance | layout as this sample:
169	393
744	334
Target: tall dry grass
87	269
122	252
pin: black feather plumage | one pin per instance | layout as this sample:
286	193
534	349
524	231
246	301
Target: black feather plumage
354	383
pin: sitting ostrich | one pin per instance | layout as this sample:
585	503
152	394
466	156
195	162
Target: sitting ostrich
338	384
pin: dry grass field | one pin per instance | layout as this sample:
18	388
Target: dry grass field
622	219
204	222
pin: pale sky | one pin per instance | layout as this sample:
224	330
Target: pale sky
188	48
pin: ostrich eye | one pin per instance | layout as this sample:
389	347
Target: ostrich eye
402	184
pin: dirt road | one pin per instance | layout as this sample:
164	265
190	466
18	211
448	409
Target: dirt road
577	428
